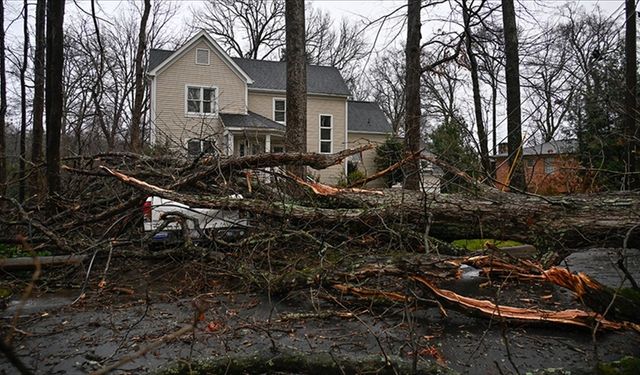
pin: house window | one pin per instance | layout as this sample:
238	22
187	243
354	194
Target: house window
201	100
326	134
277	149
531	163
197	147
548	166
202	56
279	110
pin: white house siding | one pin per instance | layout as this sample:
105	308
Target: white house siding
367	164
262	103
173	126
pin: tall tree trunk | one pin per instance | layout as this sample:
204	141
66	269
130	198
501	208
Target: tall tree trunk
512	75
494	113
38	96
412	118
296	105
54	66
630	100
23	104
136	115
475	82
3	107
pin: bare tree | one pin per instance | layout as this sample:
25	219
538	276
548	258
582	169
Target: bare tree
3	106
259	22
38	93
54	67
387	80
23	103
412	118
630	101
550	86
136	115
342	48
296	111
475	83
514	126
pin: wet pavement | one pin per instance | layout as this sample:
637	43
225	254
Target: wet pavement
55	337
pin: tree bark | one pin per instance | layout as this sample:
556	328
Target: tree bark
514	124
38	96
136	113
412	118
552	223
3	106
23	104
630	100
296	104
475	82
54	100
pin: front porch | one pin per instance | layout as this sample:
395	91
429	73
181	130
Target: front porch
251	134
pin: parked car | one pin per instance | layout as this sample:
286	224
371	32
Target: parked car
170	221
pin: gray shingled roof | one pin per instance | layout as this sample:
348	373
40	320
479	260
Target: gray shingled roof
272	75
562	146
157	56
250	120
367	117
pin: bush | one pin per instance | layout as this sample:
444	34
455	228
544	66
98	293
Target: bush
388	154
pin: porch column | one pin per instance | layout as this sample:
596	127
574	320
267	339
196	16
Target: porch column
267	143
230	142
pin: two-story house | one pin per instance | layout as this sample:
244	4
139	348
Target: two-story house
202	100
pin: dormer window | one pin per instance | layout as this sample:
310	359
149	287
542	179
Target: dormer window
202	56
280	110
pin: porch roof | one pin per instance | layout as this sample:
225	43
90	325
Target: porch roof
250	121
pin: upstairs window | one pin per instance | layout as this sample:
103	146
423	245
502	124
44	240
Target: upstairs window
197	147
202	56
201	100
326	134
280	110
548	166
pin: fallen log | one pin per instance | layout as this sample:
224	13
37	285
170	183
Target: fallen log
268	160
286	360
30	262
554	222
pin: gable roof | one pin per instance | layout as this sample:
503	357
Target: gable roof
367	117
260	74
251	121
272	75
561	146
162	58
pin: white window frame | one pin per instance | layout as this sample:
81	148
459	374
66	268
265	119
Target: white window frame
549	166
320	127
214	102
201	143
208	56
285	109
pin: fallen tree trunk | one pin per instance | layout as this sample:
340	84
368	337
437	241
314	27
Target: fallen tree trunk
294	361
30	262
551	222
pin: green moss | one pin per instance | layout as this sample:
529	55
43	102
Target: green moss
478	244
630	293
8	251
625	366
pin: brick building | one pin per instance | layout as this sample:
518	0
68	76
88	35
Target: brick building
550	168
